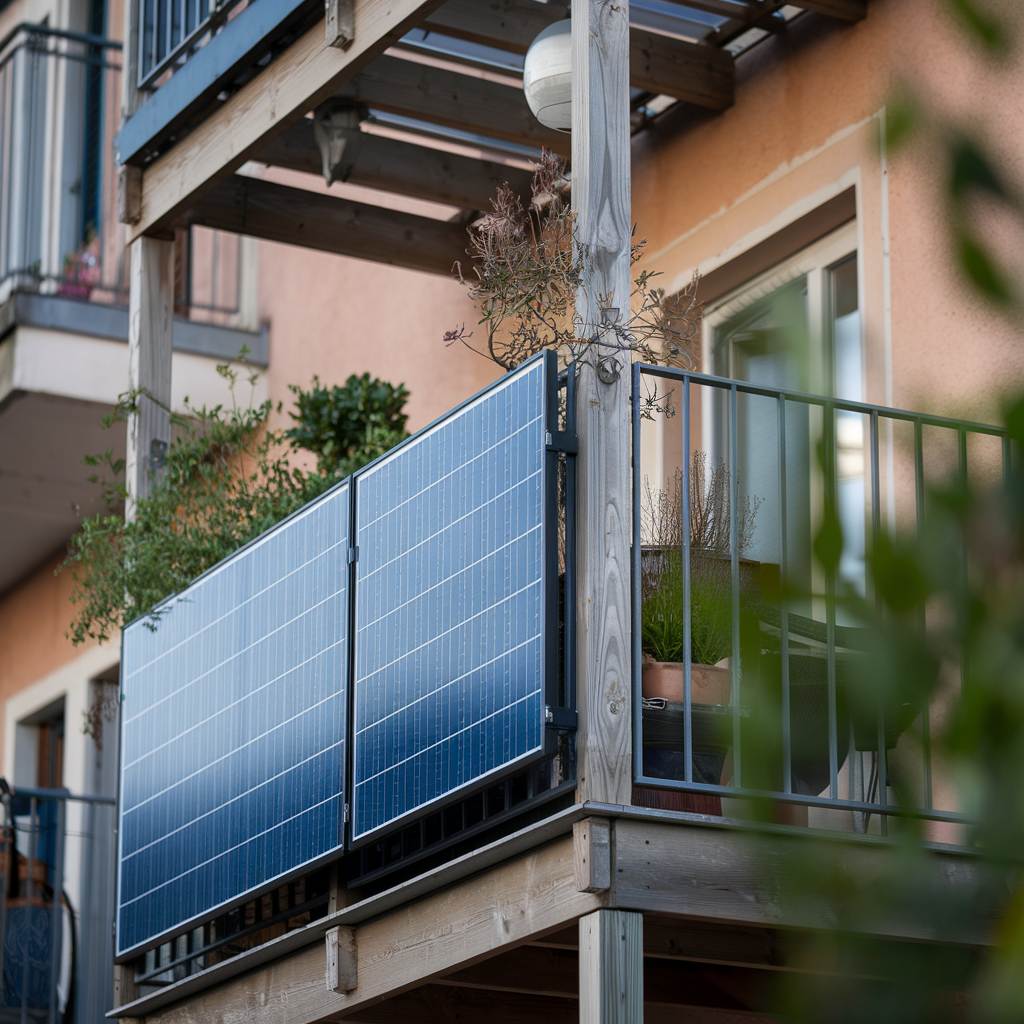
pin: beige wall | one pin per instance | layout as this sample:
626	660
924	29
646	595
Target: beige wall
334	316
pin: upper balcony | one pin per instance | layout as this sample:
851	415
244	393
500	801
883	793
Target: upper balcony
64	288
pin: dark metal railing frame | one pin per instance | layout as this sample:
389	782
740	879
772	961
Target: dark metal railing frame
829	406
35	795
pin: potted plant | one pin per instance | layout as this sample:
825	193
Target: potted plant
663	628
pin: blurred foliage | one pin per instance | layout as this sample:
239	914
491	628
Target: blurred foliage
225	479
945	617
350	425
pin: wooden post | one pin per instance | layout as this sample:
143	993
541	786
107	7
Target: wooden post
600	192
150	325
612	967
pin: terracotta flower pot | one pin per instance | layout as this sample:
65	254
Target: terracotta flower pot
709	684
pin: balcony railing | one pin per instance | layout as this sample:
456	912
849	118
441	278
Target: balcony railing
745	645
59	108
52	894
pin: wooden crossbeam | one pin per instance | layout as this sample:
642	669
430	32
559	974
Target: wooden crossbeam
403	167
307	73
703	75
534	970
264	209
700	942
688	71
412	89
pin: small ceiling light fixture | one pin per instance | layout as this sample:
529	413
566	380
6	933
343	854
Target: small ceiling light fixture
339	137
547	76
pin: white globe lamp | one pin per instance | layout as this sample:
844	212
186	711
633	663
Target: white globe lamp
547	76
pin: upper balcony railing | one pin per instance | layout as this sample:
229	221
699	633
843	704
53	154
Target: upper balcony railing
749	652
169	31
59	109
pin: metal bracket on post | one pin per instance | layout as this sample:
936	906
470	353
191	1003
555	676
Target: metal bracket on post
340	23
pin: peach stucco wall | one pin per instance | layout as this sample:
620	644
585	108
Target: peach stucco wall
33	620
334	316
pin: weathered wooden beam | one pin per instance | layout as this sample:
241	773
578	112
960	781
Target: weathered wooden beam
697	74
278	213
600	195
301	78
611	967
501	908
392	165
534	970
733	876
702	942
445	97
703	75
150	331
440	1004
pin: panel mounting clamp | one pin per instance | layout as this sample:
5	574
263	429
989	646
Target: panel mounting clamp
559	718
560	441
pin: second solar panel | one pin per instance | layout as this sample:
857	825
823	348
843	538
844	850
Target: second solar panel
453	617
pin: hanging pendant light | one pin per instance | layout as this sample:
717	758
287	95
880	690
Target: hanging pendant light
547	76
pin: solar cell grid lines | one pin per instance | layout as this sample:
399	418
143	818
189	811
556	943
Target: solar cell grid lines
233	726
449	682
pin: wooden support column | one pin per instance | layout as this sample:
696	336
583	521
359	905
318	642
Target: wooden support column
611	967
150	325
600	192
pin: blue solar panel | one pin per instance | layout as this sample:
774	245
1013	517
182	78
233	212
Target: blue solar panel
233	726
450	608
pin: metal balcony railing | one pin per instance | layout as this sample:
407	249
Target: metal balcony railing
50	898
169	30
59	108
745	645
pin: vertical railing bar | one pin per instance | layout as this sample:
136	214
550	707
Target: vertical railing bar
830	607
735	565
876	527
636	653
926	725
55	916
687	625
787	747
30	866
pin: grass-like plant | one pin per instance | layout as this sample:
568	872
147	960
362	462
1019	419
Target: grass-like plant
663	617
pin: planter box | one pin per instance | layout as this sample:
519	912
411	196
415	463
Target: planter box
709	684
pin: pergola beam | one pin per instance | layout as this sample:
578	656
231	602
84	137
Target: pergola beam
403	168
697	74
481	107
307	73
277	213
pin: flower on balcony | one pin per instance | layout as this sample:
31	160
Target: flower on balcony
81	270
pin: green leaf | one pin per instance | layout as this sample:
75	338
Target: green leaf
986	29
982	271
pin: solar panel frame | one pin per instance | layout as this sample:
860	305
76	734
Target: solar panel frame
549	615
123	953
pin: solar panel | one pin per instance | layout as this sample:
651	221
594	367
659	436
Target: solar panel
452	621
233	726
